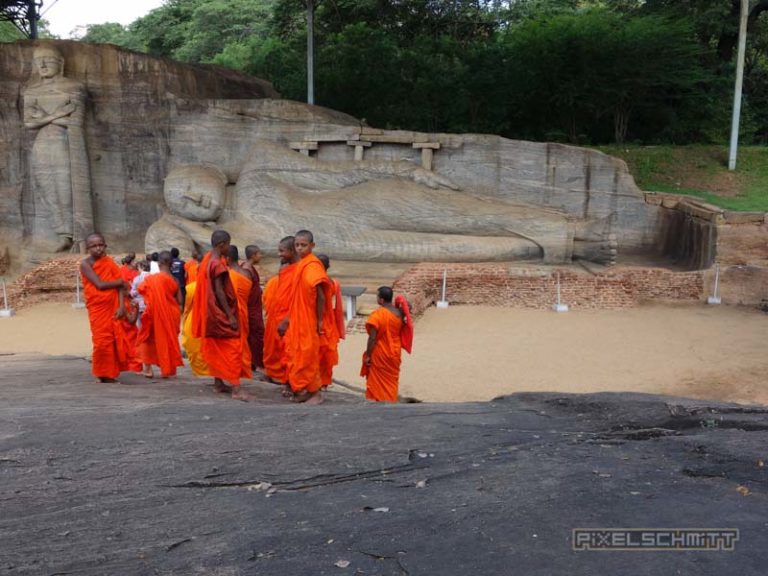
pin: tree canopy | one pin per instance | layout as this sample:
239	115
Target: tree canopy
587	71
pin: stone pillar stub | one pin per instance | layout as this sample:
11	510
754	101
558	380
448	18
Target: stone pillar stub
427	151
360	146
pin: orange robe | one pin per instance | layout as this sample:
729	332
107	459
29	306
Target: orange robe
334	331
302	342
110	352
158	341
242	285
383	374
130	333
277	303
190	270
220	342
128	273
191	344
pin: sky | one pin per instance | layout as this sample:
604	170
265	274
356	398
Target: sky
64	16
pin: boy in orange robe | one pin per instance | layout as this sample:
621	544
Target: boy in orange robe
308	316
104	287
190	267
390	329
128	269
215	319
277	302
242	283
255	311
158	341
334	331
130	333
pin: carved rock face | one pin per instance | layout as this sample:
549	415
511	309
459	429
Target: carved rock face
195	192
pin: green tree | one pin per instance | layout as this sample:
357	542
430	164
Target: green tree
111	33
575	70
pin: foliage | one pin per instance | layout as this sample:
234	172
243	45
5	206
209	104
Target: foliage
110	33
575	70
9	32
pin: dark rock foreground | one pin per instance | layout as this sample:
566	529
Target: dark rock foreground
169	478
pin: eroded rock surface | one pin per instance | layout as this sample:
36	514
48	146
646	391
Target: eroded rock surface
172	479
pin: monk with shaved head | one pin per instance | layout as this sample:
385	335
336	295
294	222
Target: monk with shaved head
216	319
277	302
104	288
308	318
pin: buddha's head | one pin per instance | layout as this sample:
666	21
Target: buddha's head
195	192
48	61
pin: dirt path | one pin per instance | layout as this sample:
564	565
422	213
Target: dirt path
477	353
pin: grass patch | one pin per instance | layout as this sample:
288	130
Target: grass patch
701	171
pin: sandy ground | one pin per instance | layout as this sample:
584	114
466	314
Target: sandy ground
468	353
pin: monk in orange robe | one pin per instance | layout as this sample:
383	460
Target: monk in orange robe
215	319
130	333
255	311
191	344
390	330
242	283
190	267
104	288
334	331
158	341
305	326
277	302
128	270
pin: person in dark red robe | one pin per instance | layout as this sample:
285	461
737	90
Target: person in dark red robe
255	313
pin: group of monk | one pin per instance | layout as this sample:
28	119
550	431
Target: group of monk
224	332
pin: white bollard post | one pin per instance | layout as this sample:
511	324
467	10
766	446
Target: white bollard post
443	303
79	304
6	312
715	299
559	307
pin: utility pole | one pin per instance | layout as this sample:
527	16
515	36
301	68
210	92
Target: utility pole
310	51
739	83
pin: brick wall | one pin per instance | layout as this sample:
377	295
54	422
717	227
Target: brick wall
536	287
52	281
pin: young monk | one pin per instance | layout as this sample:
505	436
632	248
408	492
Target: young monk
255	315
335	330
158	341
277	302
129	269
192	345
215	319
130	333
390	329
190	267
242	283
306	324
104	287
